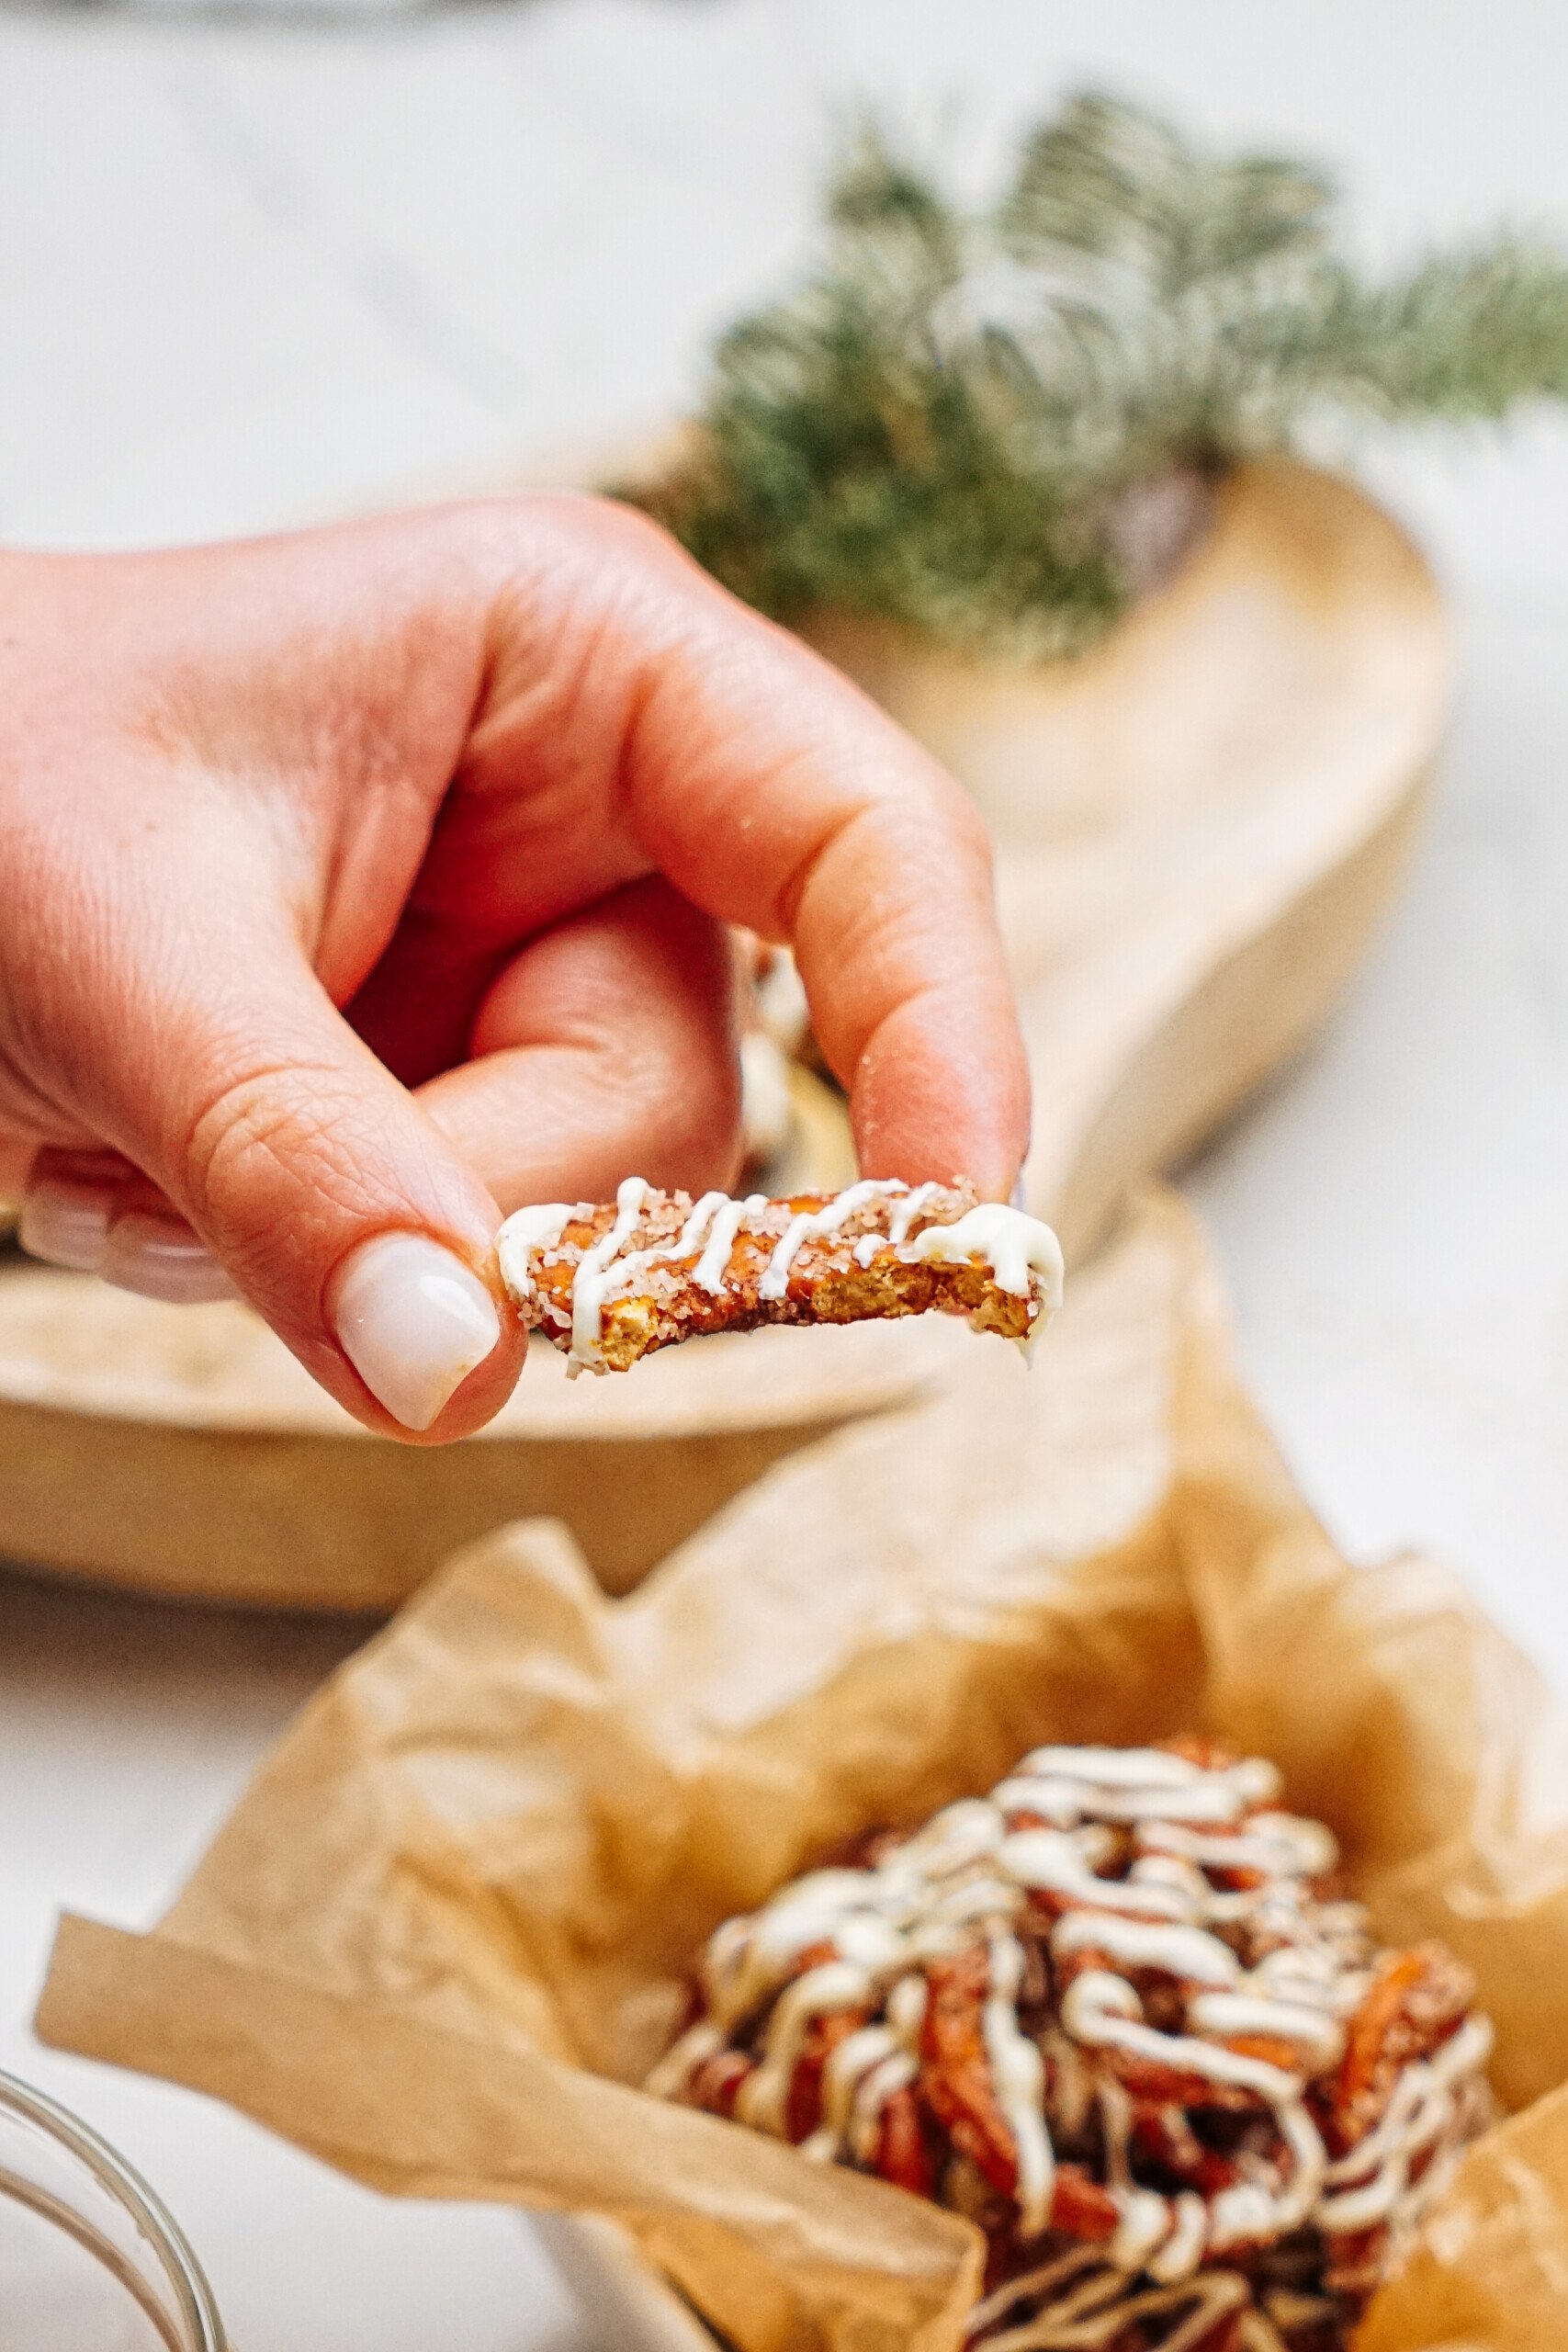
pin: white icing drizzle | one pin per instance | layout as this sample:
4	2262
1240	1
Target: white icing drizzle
972	1877
1022	1254
764	2096
1116	2130
961	1833
680	2063
1421	2110
1018	2078
603	1268
1092	2015
894	2075
1224	2014
811	1223
1097	1768
1146	2221
1183	2249
1132	1785
900	1218
846	2068
694	1233
1274	1843
714	1263
1072	2082
1134	1943
907	2010
828	1907
525	1234
592	1283
1046	1862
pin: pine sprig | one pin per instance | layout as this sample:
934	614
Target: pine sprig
937	426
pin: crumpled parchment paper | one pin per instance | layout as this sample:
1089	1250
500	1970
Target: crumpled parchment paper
447	1928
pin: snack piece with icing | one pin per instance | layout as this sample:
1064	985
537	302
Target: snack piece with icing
1117	2012
609	1284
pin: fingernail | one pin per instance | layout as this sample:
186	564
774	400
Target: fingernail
65	1224
1018	1199
413	1322
159	1259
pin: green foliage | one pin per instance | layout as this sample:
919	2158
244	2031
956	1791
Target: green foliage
936	427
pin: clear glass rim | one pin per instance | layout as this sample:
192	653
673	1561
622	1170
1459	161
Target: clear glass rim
193	2296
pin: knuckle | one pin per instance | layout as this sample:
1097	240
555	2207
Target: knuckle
685	1110
244	1146
636	534
945	808
574	526
686	1123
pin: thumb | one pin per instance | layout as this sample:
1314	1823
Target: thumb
320	1186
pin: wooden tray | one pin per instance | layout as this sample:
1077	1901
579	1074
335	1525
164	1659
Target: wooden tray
1197	825
182	1451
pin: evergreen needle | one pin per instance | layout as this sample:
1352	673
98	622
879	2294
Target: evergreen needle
936	426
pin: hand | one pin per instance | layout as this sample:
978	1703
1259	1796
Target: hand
362	884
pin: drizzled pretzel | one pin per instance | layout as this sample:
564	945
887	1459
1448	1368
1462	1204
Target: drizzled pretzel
1117	2014
610	1283
1080	2302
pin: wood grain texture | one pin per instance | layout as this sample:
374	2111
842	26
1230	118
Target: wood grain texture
1197	828
181	1450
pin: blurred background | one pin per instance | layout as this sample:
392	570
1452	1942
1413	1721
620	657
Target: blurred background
259	267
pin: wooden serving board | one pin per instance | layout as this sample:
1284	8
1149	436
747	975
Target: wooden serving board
182	1451
1197	825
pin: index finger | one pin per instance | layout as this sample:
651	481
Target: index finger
774	794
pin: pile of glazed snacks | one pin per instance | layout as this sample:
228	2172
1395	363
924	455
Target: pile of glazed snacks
1120	2014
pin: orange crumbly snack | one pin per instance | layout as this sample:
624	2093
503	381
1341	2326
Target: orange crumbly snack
611	1282
1119	2012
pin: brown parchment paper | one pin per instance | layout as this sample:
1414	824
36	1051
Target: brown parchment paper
446	1928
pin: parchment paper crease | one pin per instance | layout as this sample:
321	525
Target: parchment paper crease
447	1926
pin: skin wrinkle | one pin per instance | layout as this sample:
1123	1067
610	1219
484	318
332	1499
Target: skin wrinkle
513	679
863	938
868	1069
783	779
59	966
549	870
244	1120
358	859
486	819
254	1117
572	642
739	670
587	1032
417	1010
607	649
636	986
344	731
732	653
792	893
562	1088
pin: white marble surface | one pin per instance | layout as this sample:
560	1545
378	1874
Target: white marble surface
252	272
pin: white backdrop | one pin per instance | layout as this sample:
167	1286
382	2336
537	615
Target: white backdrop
252	272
